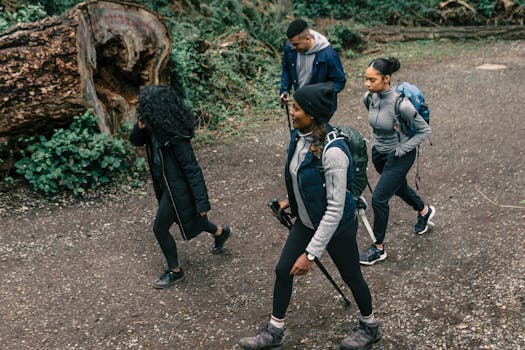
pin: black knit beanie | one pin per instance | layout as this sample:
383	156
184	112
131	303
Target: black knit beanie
317	100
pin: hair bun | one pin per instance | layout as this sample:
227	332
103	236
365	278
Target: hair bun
394	64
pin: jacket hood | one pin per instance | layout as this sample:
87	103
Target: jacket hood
320	42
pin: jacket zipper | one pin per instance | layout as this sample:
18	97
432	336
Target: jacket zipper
171	196
299	184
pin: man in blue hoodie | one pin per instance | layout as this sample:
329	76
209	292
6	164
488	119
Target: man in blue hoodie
308	59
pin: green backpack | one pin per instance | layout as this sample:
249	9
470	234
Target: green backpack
357	145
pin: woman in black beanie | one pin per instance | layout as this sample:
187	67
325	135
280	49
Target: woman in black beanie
166	126
325	214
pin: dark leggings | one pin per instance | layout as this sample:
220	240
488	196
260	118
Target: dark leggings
161	227
392	182
344	253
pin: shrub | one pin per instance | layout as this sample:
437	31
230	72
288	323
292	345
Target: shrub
27	13
344	39
77	159
227	53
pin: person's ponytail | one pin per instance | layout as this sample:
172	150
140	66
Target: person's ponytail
319	132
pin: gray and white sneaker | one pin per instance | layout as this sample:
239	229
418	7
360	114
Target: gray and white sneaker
372	255
423	221
364	335
270	337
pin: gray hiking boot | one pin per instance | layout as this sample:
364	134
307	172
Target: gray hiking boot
364	335
270	337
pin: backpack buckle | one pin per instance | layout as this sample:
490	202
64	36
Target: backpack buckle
331	136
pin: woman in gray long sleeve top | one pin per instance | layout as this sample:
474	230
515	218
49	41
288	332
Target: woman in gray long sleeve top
393	153
326	220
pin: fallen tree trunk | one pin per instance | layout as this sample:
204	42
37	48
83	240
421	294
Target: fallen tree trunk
389	34
96	55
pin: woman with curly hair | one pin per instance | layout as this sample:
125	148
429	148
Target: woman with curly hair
166	127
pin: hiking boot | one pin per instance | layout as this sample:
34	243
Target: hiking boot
364	335
372	255
270	337
168	279
220	240
424	221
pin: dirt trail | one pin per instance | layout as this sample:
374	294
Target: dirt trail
76	276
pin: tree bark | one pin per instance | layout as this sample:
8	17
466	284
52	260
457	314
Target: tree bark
96	55
389	34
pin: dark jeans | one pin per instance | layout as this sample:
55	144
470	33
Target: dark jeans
161	227
392	182
343	251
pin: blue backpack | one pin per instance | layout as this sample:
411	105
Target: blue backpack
417	99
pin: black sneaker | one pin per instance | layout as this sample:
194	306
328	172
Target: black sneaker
220	240
423	222
270	337
364	335
372	255
168	279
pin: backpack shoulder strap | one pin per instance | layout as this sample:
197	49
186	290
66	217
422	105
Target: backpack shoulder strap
367	100
332	136
397	104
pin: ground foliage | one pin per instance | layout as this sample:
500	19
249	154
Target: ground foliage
77	159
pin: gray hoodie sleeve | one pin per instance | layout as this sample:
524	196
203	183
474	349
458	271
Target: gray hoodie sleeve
409	113
335	168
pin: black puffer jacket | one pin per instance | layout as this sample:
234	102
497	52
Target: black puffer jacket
181	176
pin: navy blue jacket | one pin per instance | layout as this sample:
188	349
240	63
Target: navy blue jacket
181	176
326	67
312	189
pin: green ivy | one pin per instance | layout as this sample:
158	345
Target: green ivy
77	159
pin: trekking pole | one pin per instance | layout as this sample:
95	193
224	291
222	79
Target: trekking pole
369	187
284	218
362	207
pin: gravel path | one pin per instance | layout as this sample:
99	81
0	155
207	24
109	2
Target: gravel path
75	274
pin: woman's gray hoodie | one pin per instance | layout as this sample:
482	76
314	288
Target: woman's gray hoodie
381	116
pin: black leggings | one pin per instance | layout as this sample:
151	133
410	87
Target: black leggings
392	182
161	227
343	251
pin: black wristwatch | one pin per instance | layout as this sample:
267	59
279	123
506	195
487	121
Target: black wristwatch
310	257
